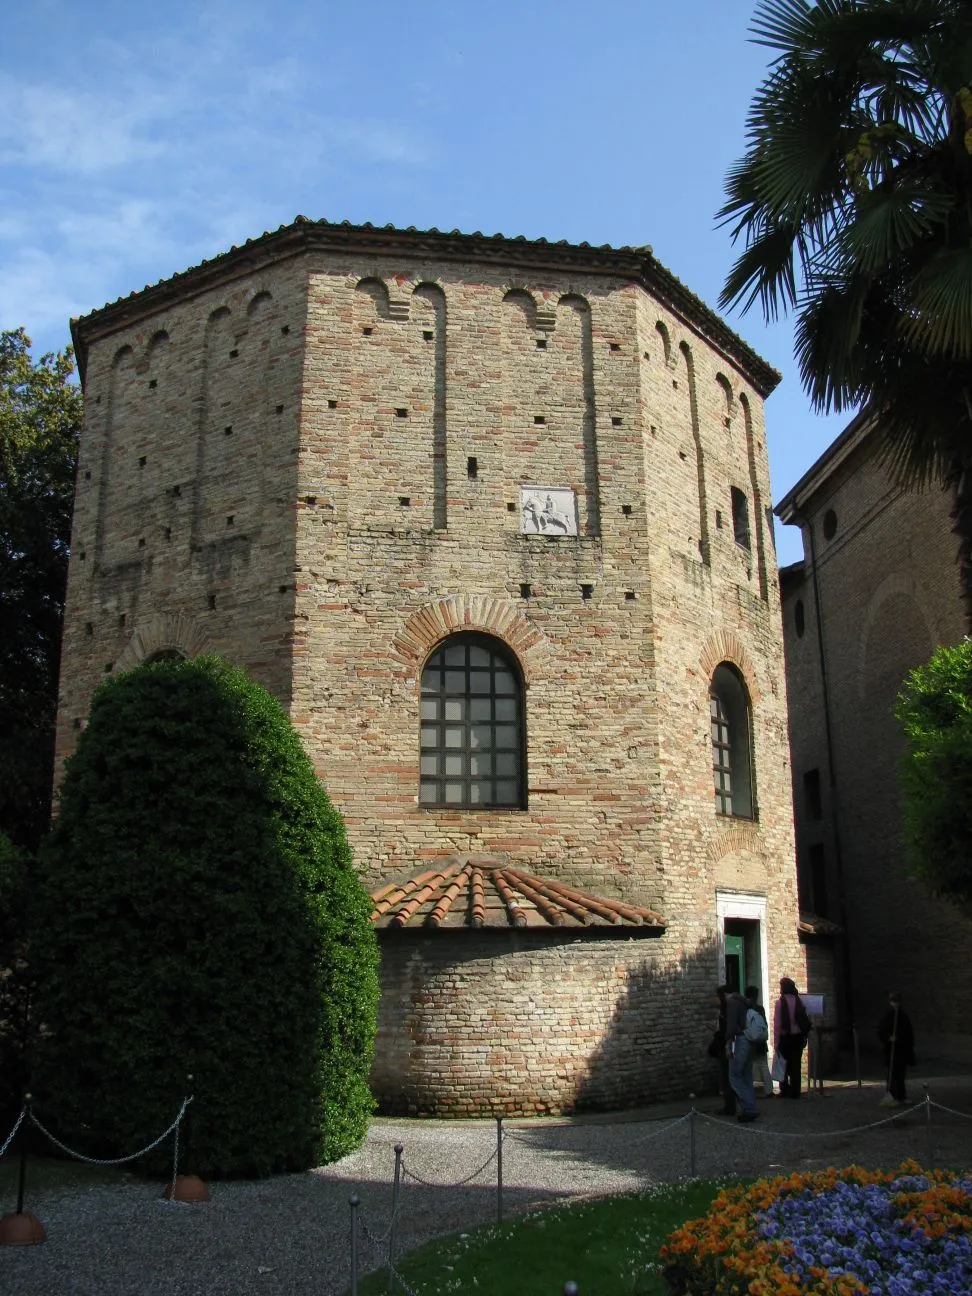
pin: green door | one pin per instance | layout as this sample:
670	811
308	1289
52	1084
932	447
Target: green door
735	962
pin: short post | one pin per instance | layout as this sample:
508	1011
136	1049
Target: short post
928	1130
20	1227
692	1143
22	1172
186	1187
499	1169
857	1055
399	1149
353	1202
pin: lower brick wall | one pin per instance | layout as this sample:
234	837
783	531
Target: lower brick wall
474	1024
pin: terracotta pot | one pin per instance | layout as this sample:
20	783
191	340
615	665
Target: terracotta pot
21	1229
188	1188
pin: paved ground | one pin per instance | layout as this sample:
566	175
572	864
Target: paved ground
289	1236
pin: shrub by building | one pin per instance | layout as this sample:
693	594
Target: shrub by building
198	915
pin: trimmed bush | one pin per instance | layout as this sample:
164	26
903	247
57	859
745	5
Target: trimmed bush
13	979
198	914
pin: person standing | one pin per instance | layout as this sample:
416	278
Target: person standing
897	1037
738	1050
761	1071
791	1027
717	1049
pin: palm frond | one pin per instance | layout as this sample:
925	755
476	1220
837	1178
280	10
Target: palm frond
826	344
940	322
889	222
764	272
783	24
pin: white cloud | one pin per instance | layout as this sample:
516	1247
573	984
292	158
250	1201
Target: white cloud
68	131
35	294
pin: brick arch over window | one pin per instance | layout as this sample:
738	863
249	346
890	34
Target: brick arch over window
726	647
164	631
735	837
427	627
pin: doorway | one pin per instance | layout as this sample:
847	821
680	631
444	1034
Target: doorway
742	962
742	941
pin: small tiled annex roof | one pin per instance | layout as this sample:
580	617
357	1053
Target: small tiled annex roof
477	891
811	924
303	235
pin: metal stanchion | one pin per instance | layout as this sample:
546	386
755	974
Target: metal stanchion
857	1055
499	1169
692	1143
399	1149
187	1187
928	1130
354	1203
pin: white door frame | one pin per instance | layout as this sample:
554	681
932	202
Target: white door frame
741	904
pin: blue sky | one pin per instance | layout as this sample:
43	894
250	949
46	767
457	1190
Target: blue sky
135	140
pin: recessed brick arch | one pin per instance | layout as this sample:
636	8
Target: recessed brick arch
436	621
895	585
725	646
737	838
164	630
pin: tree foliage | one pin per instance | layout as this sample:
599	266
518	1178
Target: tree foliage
854	204
40	420
935	709
198	914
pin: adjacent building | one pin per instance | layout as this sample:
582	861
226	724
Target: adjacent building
878	590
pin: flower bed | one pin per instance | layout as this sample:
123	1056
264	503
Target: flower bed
850	1232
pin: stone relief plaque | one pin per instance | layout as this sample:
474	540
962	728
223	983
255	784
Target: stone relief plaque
548	510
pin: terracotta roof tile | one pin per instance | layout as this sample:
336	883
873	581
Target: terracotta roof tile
812	924
476	891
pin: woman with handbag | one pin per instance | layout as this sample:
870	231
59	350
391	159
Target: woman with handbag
791	1026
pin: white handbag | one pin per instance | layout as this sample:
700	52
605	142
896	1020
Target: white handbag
778	1068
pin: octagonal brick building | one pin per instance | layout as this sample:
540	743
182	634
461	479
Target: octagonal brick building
490	517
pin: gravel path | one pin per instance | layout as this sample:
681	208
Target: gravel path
289	1236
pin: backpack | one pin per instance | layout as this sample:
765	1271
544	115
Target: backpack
757	1032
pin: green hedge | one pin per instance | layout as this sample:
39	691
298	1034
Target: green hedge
13	979
198	914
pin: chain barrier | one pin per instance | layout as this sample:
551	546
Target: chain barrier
410	1174
379	1242
951	1110
409	1291
112	1160
13	1133
805	1134
521	1136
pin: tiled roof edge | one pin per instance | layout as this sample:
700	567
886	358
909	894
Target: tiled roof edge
304	235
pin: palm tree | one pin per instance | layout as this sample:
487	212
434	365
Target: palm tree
854	201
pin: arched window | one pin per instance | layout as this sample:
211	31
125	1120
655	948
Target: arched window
472	726
732	760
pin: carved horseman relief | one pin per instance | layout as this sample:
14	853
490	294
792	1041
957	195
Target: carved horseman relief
548	510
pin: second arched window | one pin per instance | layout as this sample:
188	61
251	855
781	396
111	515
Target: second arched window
472	726
732	760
